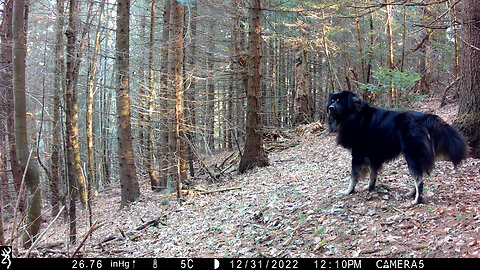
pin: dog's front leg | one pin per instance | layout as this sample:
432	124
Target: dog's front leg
358	171
418	190
351	186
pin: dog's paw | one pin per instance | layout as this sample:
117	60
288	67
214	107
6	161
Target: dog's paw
412	193
348	191
418	200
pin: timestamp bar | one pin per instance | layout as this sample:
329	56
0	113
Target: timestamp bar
237	263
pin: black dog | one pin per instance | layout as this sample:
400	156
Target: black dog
376	135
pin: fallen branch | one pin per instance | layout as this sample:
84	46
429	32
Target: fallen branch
198	191
219	190
154	223
90	231
43	233
200	159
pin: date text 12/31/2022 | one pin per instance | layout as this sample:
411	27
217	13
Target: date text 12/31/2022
326	263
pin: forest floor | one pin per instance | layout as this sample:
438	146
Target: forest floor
293	208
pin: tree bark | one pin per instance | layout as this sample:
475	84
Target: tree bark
254	154
210	110
391	62
28	162
2	237
151	88
468	120
71	122
302	110
89	115
164	140
176	77
6	82
71	105
127	171
190	94
57	86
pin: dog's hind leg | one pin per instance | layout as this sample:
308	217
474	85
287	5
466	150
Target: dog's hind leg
417	170
417	190
373	178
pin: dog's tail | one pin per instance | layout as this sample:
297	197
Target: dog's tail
447	140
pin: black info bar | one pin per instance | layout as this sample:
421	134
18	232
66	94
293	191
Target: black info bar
237	263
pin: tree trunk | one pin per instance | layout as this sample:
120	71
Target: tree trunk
2	237
360	46
302	110
71	106
176	77
6	83
57	83
164	142
468	120
210	112
71	116
151	80
28	162
127	171
254	154
190	95
89	115
391	64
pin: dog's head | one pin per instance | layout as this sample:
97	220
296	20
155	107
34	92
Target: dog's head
340	105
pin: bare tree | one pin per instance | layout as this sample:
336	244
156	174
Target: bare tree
28	163
254	154
468	120
164	138
177	143
128	176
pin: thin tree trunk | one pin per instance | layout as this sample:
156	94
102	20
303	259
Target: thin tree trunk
164	141
2	237
391	62
302	110
89	115
190	95
237	60
127	171
71	105
404	37
370	51
71	116
329	64
6	81
27	162
176	77
151	87
360	46
57	83
211	86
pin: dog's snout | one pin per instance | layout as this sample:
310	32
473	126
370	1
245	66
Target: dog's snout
331	108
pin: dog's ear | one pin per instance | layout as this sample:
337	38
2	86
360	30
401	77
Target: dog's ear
357	103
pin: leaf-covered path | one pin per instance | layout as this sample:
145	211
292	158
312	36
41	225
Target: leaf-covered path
293	208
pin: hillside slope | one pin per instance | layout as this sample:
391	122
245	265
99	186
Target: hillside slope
293	208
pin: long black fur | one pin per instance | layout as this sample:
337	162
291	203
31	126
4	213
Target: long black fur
376	135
